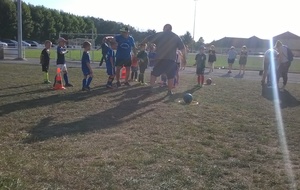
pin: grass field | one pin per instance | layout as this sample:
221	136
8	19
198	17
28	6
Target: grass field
127	139
254	63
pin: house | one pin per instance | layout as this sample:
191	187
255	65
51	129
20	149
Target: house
291	40
255	45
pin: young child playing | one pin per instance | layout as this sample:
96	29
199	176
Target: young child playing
110	60
45	60
134	67
200	62
143	62
61	62
86	67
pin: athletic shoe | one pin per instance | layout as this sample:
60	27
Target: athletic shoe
109	86
170	93
87	88
47	82
127	84
118	84
68	85
144	84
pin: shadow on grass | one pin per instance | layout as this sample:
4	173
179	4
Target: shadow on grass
239	76
127	110
176	96
226	75
28	92
286	98
50	100
21	86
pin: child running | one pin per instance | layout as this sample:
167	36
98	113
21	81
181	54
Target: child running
86	67
45	60
200	62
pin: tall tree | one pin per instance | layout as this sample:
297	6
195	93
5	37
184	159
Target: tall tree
48	29
38	22
58	25
8	19
187	38
26	21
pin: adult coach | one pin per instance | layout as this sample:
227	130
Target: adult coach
126	44
167	44
284	63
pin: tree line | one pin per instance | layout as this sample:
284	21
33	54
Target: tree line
41	23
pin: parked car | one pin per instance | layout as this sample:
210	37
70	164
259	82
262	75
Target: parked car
10	43
3	44
25	44
33	43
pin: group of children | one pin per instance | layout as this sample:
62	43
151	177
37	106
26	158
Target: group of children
144	58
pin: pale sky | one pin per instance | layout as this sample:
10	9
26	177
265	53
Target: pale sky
215	19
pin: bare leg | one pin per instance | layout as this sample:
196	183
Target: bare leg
152	80
118	69
170	84
127	74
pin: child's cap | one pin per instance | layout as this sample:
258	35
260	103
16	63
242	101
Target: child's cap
202	47
124	29
61	39
232	47
86	44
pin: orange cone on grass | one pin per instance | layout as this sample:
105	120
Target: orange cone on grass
123	73
58	85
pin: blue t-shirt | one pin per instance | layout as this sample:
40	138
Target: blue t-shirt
151	56
84	60
110	54
125	46
60	57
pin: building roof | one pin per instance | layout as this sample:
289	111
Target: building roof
287	35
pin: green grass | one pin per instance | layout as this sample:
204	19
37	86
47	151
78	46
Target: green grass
126	139
253	63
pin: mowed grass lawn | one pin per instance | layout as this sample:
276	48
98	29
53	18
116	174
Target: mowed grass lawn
128	139
253	63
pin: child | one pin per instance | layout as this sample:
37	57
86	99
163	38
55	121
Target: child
104	49
200	62
134	67
143	62
61	62
231	58
243	59
110	60
212	58
45	60
86	67
178	64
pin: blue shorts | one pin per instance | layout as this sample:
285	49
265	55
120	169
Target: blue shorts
134	68
86	72
111	71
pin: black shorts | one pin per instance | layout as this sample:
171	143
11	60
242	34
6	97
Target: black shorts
231	61
166	66
45	67
200	71
123	62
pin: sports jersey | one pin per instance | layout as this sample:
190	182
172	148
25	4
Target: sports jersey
84	61
45	57
60	56
200	60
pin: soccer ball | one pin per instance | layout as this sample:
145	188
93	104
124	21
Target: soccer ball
188	98
208	81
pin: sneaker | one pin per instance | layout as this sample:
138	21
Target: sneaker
118	84
127	84
87	88
68	85
229	72
144	84
170	93
47	82
135	80
83	89
109	86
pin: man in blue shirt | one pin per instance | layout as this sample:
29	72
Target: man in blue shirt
61	62
126	44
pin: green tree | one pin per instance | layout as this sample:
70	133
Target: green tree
26	21
38	22
48	29
58	25
8	19
187	39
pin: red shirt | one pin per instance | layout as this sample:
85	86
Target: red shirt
134	62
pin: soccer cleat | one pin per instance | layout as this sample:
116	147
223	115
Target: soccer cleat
127	84
109	86
47	82
170	93
118	84
69	85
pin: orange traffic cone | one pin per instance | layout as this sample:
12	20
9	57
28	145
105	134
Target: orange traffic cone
58	82
123	75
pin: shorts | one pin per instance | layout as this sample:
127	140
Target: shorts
200	71
123	62
165	66
63	67
230	61
111	71
45	67
143	67
86	72
134	68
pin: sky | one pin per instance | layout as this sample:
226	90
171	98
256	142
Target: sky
213	19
